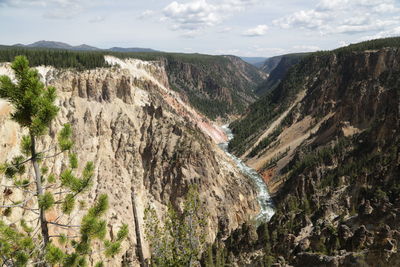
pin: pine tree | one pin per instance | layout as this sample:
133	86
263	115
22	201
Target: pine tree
182	237
34	109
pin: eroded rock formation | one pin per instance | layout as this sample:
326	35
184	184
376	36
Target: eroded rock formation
147	145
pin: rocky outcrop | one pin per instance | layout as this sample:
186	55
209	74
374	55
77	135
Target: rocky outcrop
146	149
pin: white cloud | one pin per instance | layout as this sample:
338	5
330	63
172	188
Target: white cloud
22	3
274	51
146	14
344	17
309	19
257	31
97	19
385	8
225	30
53	9
227	51
193	16
305	48
383	34
327	5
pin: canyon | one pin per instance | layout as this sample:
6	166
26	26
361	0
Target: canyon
147	144
305	173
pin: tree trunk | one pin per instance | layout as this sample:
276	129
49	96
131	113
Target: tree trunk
39	191
139	248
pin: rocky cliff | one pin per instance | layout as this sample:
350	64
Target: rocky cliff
216	86
278	72
326	141
147	144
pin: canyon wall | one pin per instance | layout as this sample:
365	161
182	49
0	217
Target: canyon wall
147	146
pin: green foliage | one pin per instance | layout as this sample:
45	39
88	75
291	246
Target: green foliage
73	161
34	109
46	201
15	247
54	254
15	167
33	103
209	107
123	232
268	260
54	57
26	145
51	179
68	204
64	138
24	226
63	239
180	241
78	185
371	45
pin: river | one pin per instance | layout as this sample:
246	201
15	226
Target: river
264	199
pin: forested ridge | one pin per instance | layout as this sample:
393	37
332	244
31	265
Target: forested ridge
82	60
215	85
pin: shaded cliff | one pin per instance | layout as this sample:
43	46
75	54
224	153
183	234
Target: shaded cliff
327	145
278	72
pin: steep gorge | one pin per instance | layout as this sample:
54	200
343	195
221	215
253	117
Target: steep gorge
326	141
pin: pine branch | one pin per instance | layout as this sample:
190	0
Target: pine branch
16	186
20	187
70	236
20	205
63	192
47	150
64	225
52	156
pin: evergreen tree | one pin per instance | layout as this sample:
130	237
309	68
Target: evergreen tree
182	238
34	109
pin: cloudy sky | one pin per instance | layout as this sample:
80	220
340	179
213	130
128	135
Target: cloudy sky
240	27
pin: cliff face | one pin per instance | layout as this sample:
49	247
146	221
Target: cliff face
216	86
278	72
147	145
329	151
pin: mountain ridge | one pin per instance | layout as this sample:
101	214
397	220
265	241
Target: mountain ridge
82	47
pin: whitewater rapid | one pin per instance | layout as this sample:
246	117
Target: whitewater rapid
264	199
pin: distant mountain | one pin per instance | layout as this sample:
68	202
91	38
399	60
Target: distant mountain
82	47
59	45
255	61
132	49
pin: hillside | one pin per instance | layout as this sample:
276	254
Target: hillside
326	142
218	86
278	72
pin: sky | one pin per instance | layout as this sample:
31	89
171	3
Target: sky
261	28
